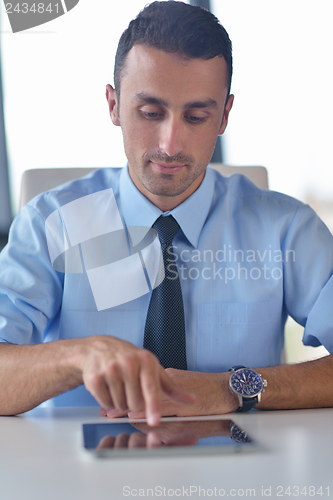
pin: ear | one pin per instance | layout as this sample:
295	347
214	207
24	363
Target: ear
227	110
111	97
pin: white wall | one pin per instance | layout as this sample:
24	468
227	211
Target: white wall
283	81
54	89
55	75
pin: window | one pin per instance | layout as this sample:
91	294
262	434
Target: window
283	84
54	79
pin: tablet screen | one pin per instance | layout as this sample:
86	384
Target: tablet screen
170	436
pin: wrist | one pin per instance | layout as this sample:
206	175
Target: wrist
72	357
228	401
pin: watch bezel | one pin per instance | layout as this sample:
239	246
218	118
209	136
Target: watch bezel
257	393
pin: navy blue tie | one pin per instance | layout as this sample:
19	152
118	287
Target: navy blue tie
165	323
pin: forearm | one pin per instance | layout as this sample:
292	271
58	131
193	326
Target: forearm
302	385
118	374
32	374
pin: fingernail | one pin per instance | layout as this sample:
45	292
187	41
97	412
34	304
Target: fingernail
103	412
112	413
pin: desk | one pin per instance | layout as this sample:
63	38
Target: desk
42	458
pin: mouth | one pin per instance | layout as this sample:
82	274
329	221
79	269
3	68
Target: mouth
167	169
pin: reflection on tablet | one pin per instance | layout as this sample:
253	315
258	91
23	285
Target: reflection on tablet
185	436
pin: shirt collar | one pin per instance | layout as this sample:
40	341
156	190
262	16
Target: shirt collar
190	215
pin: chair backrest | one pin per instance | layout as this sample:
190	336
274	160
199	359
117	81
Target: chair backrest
38	180
258	175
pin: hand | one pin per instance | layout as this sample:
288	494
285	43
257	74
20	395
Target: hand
125	378
213	396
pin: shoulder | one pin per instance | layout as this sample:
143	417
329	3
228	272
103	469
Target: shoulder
241	192
96	181
250	207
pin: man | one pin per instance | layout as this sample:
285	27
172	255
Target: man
246	258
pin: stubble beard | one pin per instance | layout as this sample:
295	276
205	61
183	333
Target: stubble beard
169	185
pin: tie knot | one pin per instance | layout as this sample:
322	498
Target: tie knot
166	228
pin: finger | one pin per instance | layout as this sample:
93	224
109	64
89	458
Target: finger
116	413
130	368
116	387
97	386
104	412
152	391
136	415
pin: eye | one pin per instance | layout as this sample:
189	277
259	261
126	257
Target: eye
147	114
151	112
195	119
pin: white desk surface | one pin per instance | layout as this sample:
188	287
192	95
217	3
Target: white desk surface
42	458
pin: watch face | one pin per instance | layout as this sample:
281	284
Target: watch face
246	382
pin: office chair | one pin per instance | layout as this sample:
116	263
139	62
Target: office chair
38	180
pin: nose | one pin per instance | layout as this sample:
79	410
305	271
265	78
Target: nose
171	136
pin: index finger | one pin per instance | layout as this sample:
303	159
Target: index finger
156	383
150	378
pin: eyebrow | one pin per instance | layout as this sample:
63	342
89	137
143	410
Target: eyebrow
148	99
209	103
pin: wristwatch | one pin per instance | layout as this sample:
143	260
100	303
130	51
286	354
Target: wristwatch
248	385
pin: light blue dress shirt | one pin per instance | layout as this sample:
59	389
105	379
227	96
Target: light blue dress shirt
247	258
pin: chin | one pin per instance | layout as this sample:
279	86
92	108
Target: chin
164	192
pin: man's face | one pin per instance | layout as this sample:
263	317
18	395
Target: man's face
171	112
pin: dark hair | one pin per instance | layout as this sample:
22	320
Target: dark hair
176	27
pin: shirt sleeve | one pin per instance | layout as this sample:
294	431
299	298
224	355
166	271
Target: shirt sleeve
30	289
308	277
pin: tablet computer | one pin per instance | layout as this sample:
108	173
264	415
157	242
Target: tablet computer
127	438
